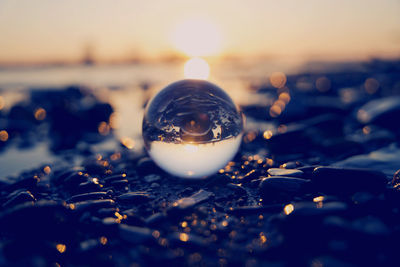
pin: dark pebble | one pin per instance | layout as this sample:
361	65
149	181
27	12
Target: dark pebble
92	205
383	112
285	172
340	181
88	196
281	189
146	166
19	198
134	197
135	235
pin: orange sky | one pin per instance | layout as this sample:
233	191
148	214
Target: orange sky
43	30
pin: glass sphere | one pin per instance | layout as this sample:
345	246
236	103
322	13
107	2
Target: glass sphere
192	128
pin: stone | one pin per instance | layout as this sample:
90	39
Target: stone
281	189
383	112
285	172
339	181
385	159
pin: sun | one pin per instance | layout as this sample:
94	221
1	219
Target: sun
197	37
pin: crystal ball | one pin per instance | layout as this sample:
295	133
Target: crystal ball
192	128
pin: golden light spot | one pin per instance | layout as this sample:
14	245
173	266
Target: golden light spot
232	234
285	97
183	237
280	103
221	171
72	206
47	169
163	242
323	84
114	120
277	79
224	223
3	135
156	234
288	209
282	128
61	248
249	137
371	86
103	240
196	68
127	142
263	238
195	257
115	156
95	180
267	134
270	162
366	130
318	199
103	128
261	217
191	148
184	224
275	111
119	217
1	103
40	114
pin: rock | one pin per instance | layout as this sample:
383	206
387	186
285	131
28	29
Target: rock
92	205
281	189
385	159
135	235
155	219
152	178
134	197
43	219
19	198
29	183
285	172
339	181
146	166
88	196
249	210
383	112
396	180
187	203
249	176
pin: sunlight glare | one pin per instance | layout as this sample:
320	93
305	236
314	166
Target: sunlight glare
197	37
196	68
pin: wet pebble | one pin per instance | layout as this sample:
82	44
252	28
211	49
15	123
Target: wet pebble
92	205
135	235
383	112
285	172
134	197
340	181
19	198
281	189
88	196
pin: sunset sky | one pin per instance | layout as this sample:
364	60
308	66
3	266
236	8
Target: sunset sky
43	30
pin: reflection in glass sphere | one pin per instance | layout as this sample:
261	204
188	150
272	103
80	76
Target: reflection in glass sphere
192	128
